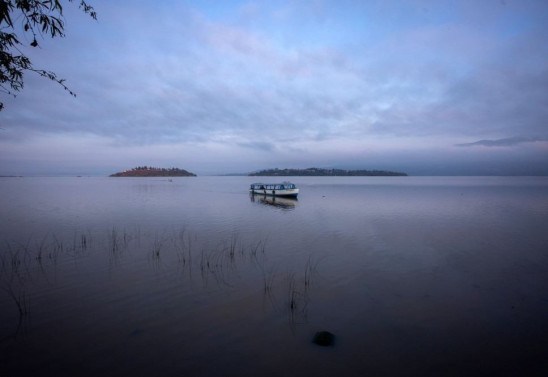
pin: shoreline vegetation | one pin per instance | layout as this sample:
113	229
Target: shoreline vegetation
326	172
148	171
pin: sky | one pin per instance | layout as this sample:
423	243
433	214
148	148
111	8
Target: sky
440	87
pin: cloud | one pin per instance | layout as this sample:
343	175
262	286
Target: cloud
331	81
506	142
260	146
202	78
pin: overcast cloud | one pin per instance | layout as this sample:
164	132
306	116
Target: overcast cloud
222	87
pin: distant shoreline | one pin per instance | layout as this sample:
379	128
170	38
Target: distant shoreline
146	171
317	172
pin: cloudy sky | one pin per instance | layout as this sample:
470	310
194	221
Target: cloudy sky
425	87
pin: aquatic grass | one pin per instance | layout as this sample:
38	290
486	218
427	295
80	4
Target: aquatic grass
118	242
297	295
114	243
182	243
310	270
204	265
125	239
22	303
297	303
212	264
189	248
41	249
293	294
219	265
21	300
268	279
113	247
79	244
179	246
225	259
134	237
259	259
57	248
157	247
233	245
257	250
16	260
15	272
11	259
83	242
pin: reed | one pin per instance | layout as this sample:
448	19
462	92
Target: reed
114	243
179	246
293	294
296	303
203	265
189	248
157	247
268	280
219	264
21	300
126	238
232	247
310	270
83	242
41	249
14	259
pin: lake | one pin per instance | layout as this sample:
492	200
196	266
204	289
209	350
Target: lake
414	276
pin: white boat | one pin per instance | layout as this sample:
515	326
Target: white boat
286	189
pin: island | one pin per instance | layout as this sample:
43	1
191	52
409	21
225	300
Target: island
147	171
318	172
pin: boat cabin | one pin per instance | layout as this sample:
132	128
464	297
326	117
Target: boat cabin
275	189
277	186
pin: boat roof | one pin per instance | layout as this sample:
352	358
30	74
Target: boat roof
277	183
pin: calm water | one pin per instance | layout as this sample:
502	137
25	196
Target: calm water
193	277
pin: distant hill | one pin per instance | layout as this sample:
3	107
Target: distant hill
147	171
325	172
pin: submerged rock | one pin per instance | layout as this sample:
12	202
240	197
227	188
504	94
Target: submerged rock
324	338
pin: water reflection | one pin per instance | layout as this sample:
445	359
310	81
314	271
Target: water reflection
282	203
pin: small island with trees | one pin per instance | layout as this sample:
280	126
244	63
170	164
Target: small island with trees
148	171
326	172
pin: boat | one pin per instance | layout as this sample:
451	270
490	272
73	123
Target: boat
285	189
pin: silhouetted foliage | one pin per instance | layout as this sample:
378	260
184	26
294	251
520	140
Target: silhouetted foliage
19	20
325	172
148	171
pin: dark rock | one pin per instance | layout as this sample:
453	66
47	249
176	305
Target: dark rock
324	338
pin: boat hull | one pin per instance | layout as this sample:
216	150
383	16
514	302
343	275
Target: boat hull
290	193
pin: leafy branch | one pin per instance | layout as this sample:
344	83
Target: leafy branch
38	19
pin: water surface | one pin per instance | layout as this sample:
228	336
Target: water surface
192	276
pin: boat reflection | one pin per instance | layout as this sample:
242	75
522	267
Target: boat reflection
282	203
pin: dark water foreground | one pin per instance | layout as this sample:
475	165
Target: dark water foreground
143	277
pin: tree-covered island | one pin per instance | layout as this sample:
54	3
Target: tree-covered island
326	172
147	171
